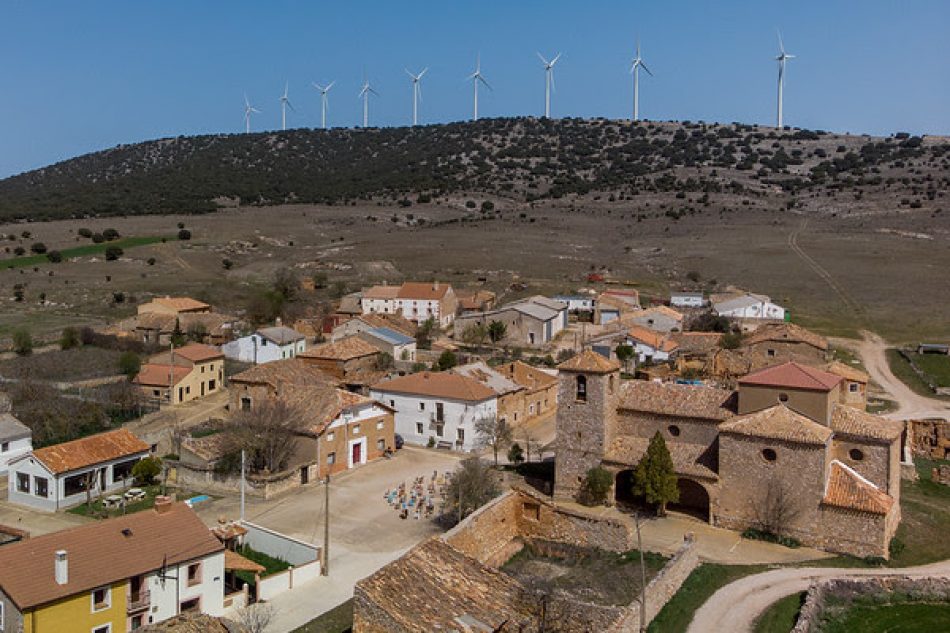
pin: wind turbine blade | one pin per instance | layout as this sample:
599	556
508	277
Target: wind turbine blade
633	66
424	71
644	67
556	57
482	79
330	85
317	86
541	57
286	88
409	73
781	44
291	106
373	92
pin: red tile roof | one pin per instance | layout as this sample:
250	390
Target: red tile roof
793	376
103	552
198	352
778	422
685	401
591	362
381	292
657	340
850	421
181	304
438	385
423	291
849	490
158	375
87	451
787	333
344	349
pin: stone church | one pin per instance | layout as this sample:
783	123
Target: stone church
786	451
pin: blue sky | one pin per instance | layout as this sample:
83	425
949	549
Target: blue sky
81	76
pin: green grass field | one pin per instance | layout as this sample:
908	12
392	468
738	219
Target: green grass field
897	618
937	366
905	373
84	251
336	620
781	616
698	587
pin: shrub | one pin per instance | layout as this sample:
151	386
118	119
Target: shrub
129	364
184	234
113	253
181	225
54	257
146	470
488	206
22	342
731	340
431	442
69	338
19	250
227	263
97	238
150	261
84	232
447	360
597	484
38	247
470	204
110	235
515	453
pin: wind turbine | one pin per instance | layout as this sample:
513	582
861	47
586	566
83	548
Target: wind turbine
635	67
781	59
548	82
323	101
284	104
364	94
477	77
416	93
248	110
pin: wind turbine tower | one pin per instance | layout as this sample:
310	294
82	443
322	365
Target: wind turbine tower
548	82
477	77
284	104
323	101
416	94
635	67
248	110
781	59
364	95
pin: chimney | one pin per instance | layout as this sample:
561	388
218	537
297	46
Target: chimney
62	567
163	504
435	284
278	322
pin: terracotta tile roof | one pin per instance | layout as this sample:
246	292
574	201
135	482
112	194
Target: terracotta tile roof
344	349
435	586
86	451
381	292
697	342
194	623
697	460
321	404
437	385
685	401
618	303
657	340
531	378
778	422
392	321
494	380
847	372
181	304
160	321
157	375
280	373
423	291
103	552
850	421
198	352
847	489
281	335
786	332
235	562
591	362
665	311
793	376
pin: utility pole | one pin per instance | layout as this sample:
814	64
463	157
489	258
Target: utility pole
643	578
325	568
242	484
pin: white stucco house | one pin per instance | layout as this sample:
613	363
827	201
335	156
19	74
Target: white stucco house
398	345
379	300
687	299
16	439
748	306
56	477
438	405
577	303
266	345
649	345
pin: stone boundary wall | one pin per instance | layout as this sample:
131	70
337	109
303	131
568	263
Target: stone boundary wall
851	588
258	486
662	588
495	532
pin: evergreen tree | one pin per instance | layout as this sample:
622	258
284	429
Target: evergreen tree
655	477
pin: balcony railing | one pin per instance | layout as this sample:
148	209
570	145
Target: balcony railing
139	602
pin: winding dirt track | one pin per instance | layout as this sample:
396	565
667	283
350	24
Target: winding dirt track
819	270
735	607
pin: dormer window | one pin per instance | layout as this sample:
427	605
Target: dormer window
581	389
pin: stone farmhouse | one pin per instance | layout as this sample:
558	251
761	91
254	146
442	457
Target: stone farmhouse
180	375
119	574
771	344
175	306
523	391
352	327
442	406
266	345
533	322
416	301
352	361
58	477
785	438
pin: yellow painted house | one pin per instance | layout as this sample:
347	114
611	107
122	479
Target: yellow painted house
113	576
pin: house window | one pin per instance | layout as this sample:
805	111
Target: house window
460	435
137	622
856	455
331	437
853	387
211	385
439	428
156	393
422	406
531	410
356	429
245	404
380	444
101	598
439	411
41	486
769	454
191	606
419	429
392	403
770	353
674	430
105	628
194	574
22	482
379	425
581	389
331	459
3	449
783	397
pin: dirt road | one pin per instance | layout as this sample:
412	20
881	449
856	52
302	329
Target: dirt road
735	607
910	405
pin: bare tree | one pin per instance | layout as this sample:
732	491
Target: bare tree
776	509
267	433
256	618
494	433
470	486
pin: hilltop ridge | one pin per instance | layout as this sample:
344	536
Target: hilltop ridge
524	159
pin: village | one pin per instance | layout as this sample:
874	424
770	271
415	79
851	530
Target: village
419	435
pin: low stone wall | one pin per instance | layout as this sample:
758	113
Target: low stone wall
257	486
849	589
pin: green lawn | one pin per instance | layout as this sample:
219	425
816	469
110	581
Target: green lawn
336	620
781	616
897	618
98	511
271	565
937	366
930	363
698	587
84	251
